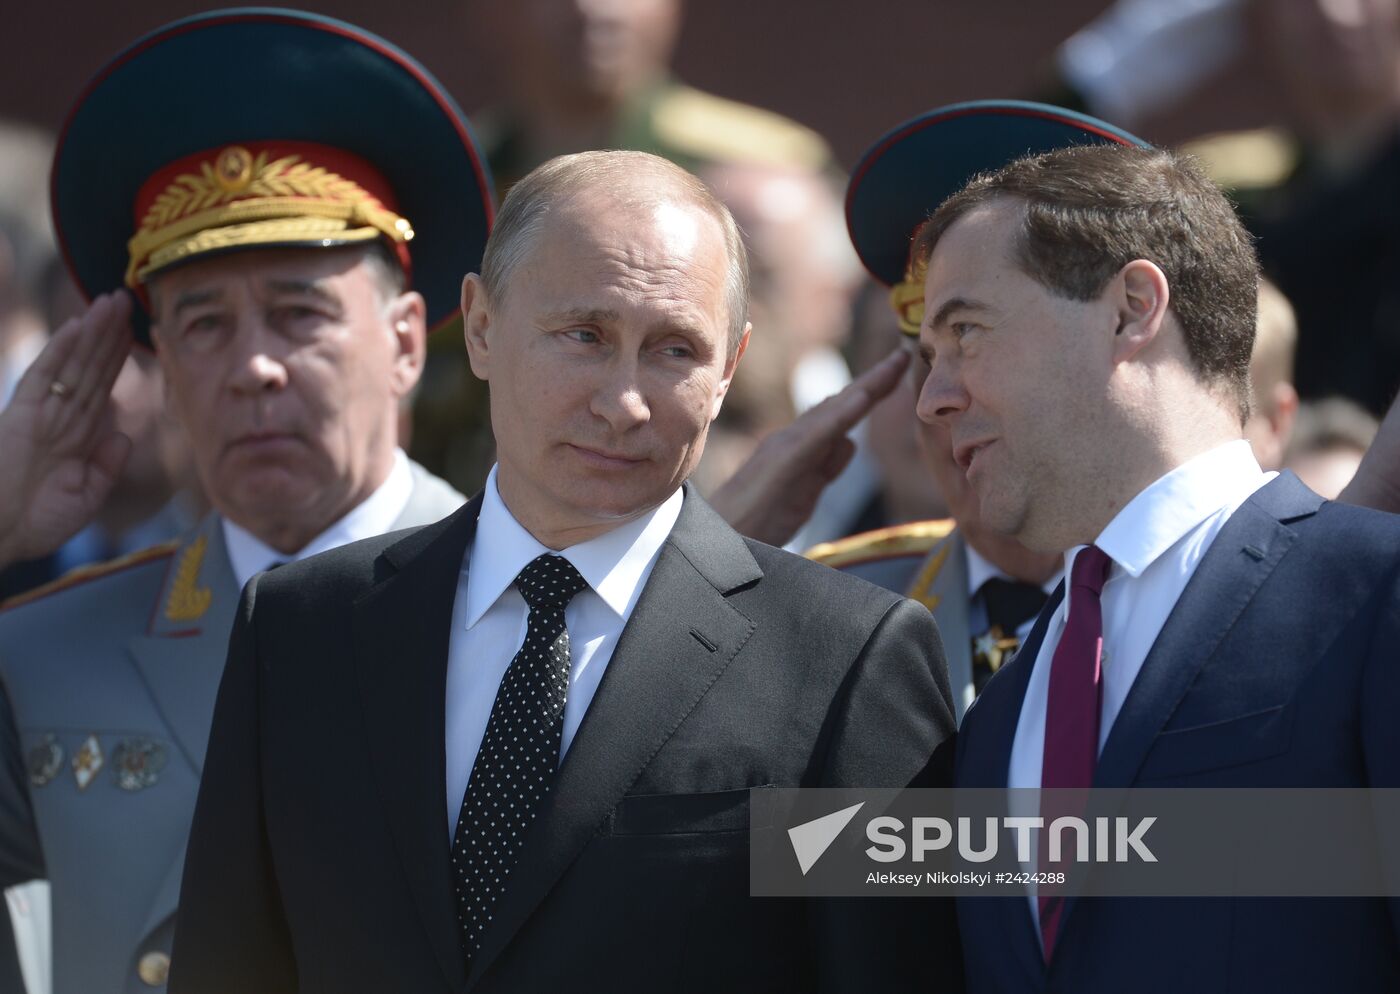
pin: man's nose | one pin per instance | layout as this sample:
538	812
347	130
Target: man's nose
942	395
619	399
258	365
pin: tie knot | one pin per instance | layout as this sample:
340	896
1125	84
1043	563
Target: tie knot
1090	569
549	581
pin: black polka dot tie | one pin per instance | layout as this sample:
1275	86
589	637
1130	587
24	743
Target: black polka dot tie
519	754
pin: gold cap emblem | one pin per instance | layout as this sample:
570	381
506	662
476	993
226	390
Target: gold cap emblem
907	298
234	168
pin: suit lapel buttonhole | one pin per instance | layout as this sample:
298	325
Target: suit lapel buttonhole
703	641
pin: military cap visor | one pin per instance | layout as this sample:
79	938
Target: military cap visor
905	175
260	128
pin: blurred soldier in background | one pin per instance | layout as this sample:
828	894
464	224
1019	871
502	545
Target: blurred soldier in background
585	74
1330	438
1275	400
22	331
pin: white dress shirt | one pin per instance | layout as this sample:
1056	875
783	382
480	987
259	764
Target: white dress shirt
375	515
489	618
1156	542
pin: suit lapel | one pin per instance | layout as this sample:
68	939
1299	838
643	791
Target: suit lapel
658	673
1233	569
400	635
181	657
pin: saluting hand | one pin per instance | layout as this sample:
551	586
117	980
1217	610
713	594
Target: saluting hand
61	454
775	491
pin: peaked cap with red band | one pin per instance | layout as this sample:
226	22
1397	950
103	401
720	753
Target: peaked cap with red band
261	128
905	175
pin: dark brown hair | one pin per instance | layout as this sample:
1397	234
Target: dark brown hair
1090	210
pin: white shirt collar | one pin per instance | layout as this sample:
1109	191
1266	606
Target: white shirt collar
375	515
980	570
1161	515
612	563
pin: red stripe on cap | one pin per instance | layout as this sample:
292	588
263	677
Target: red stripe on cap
342	163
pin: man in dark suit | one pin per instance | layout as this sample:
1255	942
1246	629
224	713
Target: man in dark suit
512	751
1088	319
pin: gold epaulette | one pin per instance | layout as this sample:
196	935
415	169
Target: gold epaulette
914	538
711	127
95	571
1246	160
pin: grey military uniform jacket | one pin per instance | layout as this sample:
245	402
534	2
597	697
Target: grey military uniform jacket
940	584
107	687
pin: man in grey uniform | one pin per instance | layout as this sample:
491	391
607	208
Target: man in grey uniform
273	277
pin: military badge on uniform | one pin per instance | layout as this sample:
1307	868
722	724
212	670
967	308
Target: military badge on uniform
928	573
88	762
45	761
992	648
188	600
137	763
991	651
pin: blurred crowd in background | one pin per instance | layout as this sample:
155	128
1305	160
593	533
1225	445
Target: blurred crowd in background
1319	187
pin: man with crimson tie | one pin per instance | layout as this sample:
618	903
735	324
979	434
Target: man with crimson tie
1088	318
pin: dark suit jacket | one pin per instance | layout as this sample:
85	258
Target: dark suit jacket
1277	668
319	859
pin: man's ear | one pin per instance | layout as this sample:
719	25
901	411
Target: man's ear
730	365
408	323
476	325
1140	295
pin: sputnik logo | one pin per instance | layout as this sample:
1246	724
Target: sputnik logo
812	838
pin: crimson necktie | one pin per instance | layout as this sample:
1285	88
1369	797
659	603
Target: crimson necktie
1072	708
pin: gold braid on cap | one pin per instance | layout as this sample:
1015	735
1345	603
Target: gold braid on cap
240	199
907	298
